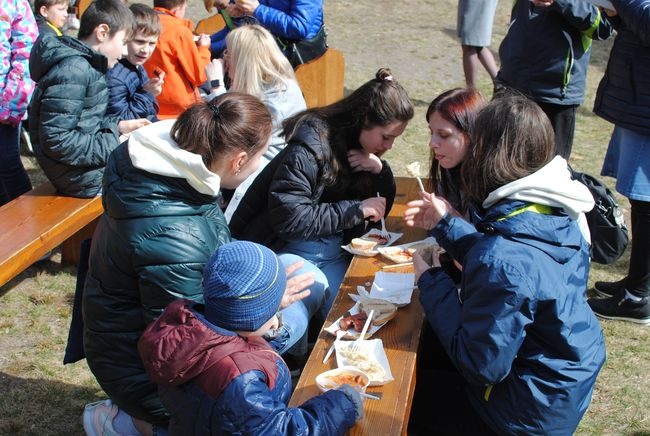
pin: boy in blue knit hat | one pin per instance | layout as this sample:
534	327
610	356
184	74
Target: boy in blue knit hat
216	373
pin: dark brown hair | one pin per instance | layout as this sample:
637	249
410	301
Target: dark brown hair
230	122
512	139
377	102
459	106
115	14
146	19
168	4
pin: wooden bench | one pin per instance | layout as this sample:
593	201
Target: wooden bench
401	336
210	25
39	221
322	79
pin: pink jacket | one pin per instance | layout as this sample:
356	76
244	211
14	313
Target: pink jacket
18	31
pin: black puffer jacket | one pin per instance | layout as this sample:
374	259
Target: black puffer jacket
149	249
623	96
290	201
68	126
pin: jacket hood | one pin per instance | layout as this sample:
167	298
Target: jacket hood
152	149
50	50
551	185
182	344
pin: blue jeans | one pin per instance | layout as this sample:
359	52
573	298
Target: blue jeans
292	336
327	254
14	180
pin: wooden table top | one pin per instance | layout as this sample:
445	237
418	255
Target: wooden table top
401	336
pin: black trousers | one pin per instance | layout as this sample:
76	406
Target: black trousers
638	276
563	120
440	405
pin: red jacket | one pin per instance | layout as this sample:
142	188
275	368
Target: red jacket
182	61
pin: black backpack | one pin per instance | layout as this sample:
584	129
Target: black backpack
609	235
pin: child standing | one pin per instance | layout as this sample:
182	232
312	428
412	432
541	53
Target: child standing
216	374
132	94
70	131
182	60
17	34
51	16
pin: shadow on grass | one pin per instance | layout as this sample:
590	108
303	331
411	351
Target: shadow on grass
48	267
37	406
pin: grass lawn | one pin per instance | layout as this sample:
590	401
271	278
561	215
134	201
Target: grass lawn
41	396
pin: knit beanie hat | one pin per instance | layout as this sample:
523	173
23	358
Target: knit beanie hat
243	284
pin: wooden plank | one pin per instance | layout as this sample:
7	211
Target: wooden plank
401	336
36	223
210	25
322	79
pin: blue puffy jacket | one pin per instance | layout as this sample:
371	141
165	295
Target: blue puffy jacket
128	99
623	96
215	382
546	52
519	330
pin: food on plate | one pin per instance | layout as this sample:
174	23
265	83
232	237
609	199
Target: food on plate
381	240
363	244
356	321
399	255
384	310
350	375
364	361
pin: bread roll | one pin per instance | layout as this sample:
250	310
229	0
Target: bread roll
363	244
384	310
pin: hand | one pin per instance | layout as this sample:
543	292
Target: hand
234	10
128	126
420	265
542	3
204	40
296	286
214	70
154	86
355	398
428	212
360	160
247	6
221	4
373	208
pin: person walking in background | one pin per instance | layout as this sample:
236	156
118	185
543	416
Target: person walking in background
217	375
179	58
317	194
71	134
132	93
18	31
545	56
623	99
474	27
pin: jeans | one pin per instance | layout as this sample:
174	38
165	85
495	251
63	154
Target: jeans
292	336
14	180
326	254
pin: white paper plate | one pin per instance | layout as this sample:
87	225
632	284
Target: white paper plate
393	237
393	253
374	349
394	287
351	333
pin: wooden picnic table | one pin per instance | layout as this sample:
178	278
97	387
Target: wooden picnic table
401	336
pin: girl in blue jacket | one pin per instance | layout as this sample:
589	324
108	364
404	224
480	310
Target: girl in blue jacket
525	347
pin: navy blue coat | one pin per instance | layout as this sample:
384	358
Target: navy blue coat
546	52
128	100
519	330
623	96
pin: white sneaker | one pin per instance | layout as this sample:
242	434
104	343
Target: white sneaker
98	418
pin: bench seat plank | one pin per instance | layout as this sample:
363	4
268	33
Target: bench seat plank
38	222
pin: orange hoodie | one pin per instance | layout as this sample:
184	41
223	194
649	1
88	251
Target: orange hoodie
182	61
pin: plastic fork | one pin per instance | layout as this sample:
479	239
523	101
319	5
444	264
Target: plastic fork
339	335
356	346
384	233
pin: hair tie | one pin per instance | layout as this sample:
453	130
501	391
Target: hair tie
388	78
215	109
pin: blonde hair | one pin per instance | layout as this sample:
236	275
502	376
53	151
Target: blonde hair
257	61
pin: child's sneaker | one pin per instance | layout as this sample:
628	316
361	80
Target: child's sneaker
608	289
621	308
98	418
